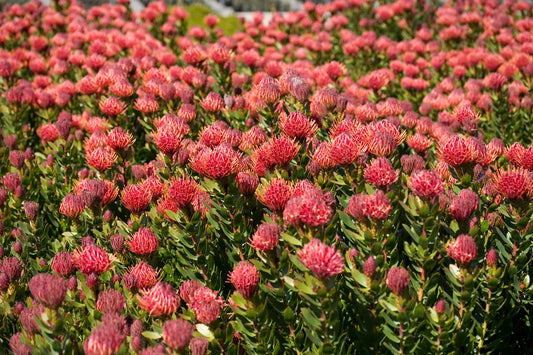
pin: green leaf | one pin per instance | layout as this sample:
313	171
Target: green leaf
151	335
303	287
205	331
360	278
388	305
290	239
310	318
347	220
390	335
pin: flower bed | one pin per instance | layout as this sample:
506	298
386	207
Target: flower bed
346	179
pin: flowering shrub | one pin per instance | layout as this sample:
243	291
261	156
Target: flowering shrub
353	177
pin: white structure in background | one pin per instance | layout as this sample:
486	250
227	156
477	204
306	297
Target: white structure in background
219	8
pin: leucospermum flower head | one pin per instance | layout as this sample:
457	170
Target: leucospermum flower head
143	242
274	194
91	259
463	250
266	237
245	278
398	279
323	260
512	183
160	300
136	198
425	183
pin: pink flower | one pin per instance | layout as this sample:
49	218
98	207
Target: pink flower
323	260
463	250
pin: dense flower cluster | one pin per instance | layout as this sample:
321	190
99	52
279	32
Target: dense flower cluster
356	175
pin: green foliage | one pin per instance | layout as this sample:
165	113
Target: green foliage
198	12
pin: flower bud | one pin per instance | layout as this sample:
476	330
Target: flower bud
73	283
369	268
440	306
31	208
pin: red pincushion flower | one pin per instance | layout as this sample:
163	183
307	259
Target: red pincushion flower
101	158
63	264
213	135
121	88
199	346
274	194
112	106
526	162
377	205
512	183
187	112
206	304
282	150
11	268
111	301
268	90
177	333
212	102
48	132
323	260
167	140
463	250
147	104
247	183
310	210
465	112
297	125
170	131
31	209
118	139
219	53
187	290
16	346
136	198
381	144
425	183
398	279
194	55
245	278
72	206
48	289
216	163
143	242
253	138
166	203
182	191
17	158
201	202
356	206
266	237
154	185
455	151
91	259
27	318
207	312
103	340
12	181
145	275
381	172
515	152
344	149
412	163
464	204
160	300
419	142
